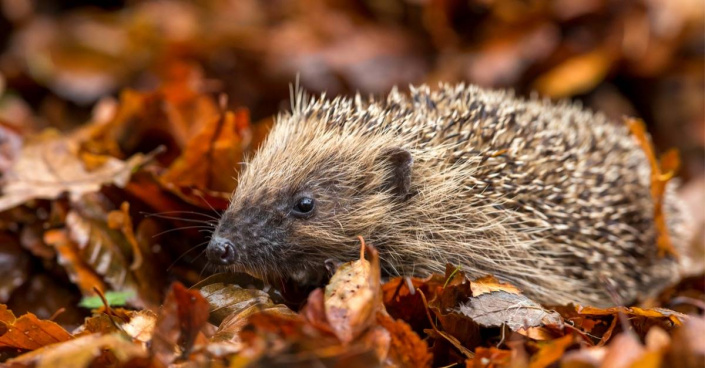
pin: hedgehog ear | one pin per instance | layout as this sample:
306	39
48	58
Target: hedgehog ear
400	161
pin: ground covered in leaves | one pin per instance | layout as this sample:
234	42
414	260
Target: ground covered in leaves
121	129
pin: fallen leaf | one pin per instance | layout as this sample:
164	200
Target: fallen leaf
230	328
489	284
353	296
661	313
514	310
182	316
576	74
406	349
28	332
210	158
551	351
456	289
403	302
94	246
226	298
79	272
48	166
138	325
84	351
489	358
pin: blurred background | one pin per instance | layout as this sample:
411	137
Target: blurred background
64	64
623	57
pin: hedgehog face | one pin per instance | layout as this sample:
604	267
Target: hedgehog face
296	208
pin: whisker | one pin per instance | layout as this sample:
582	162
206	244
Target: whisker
181	228
209	205
187	252
200	255
182	212
196	221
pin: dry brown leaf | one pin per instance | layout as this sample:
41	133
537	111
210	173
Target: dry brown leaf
183	315
28	332
49	166
93	247
139	325
229	330
353	296
226	298
514	310
89	350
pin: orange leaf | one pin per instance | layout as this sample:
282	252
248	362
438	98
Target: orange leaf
69	257
575	75
489	358
489	284
661	172
550	352
28	332
121	220
407	349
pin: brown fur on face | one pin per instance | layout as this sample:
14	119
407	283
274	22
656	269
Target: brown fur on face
550	197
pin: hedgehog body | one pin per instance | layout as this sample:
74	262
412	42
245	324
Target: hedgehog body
550	197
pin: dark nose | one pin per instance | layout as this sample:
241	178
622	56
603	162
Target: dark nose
221	251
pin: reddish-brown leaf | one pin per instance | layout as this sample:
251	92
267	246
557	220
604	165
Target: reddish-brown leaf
182	316
406	348
28	332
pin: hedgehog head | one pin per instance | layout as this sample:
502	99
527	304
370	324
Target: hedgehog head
311	188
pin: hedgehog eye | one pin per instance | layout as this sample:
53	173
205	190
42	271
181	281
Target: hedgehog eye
304	206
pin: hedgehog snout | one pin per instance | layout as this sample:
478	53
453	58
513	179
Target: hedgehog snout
221	251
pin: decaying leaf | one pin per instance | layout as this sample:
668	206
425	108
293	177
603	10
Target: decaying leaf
210	158
228	299
49	166
514	310
137	325
551	351
84	351
182	316
353	296
28	332
80	273
406	348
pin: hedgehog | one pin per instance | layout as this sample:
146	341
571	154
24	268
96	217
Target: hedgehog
548	196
